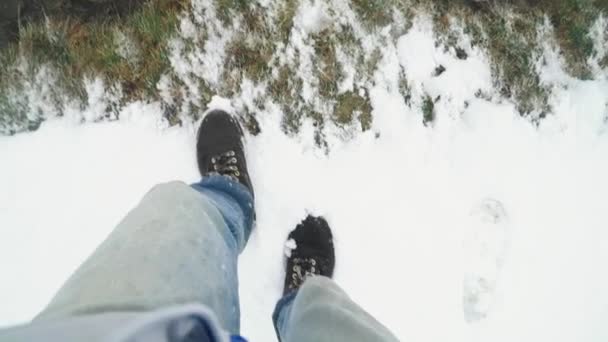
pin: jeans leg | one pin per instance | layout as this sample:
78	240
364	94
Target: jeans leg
320	311
178	246
235	203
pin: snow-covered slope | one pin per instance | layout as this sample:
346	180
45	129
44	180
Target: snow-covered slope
408	203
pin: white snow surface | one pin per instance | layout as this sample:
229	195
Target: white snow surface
398	198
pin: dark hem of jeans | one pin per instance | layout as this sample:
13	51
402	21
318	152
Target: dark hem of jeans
281	304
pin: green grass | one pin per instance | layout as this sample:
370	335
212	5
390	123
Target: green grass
285	19
227	9
513	49
375	13
75	48
512	44
327	67
404	88
15	113
604	62
428	110
285	90
572	20
250	51
351	106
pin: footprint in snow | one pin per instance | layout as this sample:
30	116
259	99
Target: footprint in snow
485	246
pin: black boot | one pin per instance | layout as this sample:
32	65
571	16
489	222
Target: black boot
312	252
219	148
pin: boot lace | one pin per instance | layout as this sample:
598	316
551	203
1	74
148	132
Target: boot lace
301	270
226	164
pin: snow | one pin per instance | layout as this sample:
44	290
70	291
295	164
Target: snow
457	85
126	48
599	35
290	245
399	197
312	17
206	60
485	243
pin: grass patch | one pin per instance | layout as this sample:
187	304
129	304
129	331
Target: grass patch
347	106
351	106
404	88
76	49
250	58
509	34
286	15
604	62
130	50
512	48
251	51
327	66
228	9
572	20
428	110
375	13
285	90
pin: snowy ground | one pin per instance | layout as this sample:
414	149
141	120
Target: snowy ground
403	200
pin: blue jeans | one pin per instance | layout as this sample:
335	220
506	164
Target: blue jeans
321	311
180	245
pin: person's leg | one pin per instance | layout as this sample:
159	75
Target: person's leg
175	247
179	245
321	311
313	307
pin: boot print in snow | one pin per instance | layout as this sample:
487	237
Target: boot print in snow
485	246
